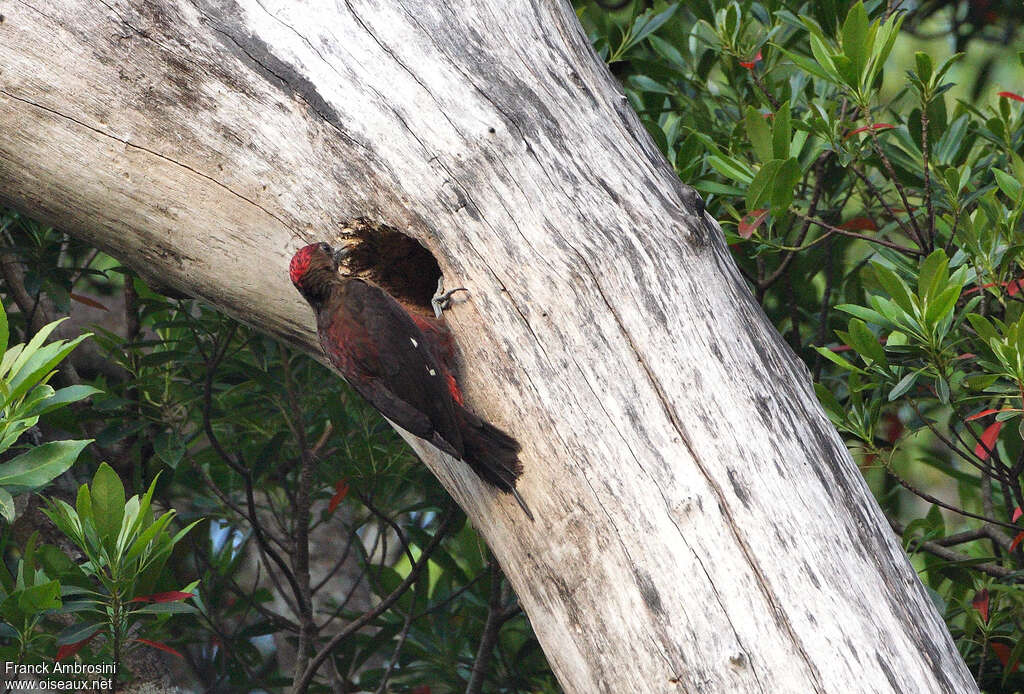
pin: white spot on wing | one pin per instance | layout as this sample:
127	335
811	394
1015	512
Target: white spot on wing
432	372
413	341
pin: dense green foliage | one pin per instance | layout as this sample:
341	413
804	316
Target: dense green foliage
876	217
881	230
313	520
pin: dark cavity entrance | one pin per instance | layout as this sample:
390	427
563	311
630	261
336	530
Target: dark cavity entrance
398	263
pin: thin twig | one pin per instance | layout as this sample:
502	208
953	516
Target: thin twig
811	211
402	636
854	235
877	194
304	680
390	522
241	470
300	556
892	175
951	555
489	637
930	240
939	502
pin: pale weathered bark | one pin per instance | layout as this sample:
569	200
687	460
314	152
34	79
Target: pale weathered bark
700	526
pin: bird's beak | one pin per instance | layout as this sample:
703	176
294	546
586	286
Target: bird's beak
340	254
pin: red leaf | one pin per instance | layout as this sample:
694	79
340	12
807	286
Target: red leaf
974	290
422	689
751	221
980	603
170	596
1016	515
1011	95
87	301
72	648
892	427
1014	286
162	647
340	492
1016	541
1002	652
983	413
876	126
749	64
859	224
988	441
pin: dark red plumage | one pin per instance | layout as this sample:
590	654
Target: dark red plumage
401	362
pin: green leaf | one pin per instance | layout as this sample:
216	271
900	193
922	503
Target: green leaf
934	275
865	314
855	34
1010	186
886	37
782	132
141	543
823	55
905	384
646	25
865	342
785	186
986	331
166	608
943	304
62	397
924	66
41	464
760	135
107	493
828	400
184	531
40	364
847	71
6	505
807	65
170	447
35	599
76	633
894	287
762	184
732	169
4	331
33	345
838	360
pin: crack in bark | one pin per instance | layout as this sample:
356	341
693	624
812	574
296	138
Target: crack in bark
682	536
762	583
398	61
40	12
164	157
140	32
325	117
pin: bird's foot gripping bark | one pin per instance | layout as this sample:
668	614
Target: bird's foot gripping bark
442	299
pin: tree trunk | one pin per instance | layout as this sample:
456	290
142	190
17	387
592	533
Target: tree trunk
700	525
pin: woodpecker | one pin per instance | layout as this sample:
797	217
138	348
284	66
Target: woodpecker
399	359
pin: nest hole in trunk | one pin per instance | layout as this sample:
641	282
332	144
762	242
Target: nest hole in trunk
398	263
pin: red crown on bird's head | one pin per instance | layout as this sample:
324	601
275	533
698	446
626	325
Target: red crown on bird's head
301	260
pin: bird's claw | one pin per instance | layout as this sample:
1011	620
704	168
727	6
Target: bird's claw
442	299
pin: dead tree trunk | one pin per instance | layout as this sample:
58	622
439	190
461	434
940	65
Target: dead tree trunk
700	525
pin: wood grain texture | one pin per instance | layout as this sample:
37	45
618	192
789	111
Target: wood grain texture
700	524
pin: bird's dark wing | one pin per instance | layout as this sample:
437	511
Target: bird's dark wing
388	360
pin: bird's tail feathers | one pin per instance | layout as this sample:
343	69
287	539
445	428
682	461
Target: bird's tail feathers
493	454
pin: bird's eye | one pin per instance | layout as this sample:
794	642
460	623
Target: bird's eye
325	248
